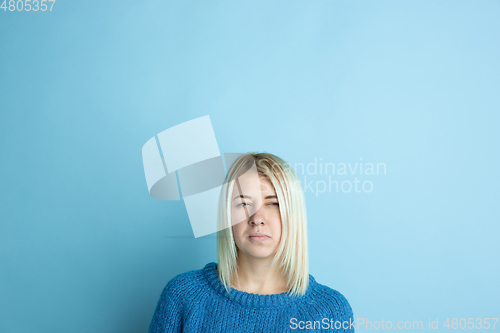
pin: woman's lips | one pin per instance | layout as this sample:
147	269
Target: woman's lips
259	239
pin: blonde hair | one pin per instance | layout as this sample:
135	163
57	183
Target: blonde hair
292	253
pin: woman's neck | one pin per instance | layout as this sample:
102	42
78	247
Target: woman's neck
257	276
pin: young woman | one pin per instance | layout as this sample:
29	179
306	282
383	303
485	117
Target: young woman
261	282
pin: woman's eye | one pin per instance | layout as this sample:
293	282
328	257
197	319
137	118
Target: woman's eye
275	203
243	204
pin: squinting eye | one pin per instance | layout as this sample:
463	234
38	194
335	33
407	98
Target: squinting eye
243	204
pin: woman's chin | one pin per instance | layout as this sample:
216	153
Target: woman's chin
260	255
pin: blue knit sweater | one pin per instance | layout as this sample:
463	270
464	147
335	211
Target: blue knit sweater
197	301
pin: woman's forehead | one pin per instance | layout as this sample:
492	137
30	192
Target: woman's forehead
266	186
253	186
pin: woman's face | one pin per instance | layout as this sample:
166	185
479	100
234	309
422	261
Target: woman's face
259	233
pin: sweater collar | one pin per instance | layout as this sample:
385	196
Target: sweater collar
250	299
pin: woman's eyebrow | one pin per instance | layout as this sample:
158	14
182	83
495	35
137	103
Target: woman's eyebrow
271	197
242	196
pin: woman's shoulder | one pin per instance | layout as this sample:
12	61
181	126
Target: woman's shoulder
330	298
176	298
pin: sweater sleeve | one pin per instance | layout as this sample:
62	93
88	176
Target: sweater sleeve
339	309
344	310
348	318
167	317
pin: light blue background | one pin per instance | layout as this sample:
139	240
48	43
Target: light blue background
412	84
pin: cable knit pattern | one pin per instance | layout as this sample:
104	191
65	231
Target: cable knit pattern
196	301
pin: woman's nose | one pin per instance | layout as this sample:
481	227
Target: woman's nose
257	218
